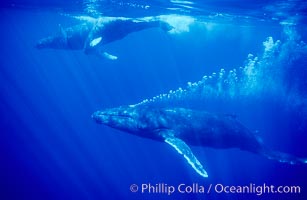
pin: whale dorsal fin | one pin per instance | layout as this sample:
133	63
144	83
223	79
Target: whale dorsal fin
184	149
62	32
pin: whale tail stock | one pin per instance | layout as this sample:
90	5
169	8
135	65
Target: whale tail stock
283	157
261	149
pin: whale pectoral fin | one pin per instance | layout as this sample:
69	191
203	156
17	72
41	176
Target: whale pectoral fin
187	153
108	56
100	53
95	42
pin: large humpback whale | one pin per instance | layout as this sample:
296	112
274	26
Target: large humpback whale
92	35
180	128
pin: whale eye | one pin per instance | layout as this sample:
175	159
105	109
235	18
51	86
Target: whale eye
141	126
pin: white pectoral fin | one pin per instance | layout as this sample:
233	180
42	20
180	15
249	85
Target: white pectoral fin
95	42
185	150
108	56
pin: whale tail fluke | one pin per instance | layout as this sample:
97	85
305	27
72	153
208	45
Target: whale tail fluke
165	26
284	157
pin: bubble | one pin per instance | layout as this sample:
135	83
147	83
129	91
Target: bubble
259	75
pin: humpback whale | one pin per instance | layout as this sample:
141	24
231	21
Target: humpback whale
92	35
182	128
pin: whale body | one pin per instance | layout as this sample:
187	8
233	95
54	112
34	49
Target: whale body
91	36
181	128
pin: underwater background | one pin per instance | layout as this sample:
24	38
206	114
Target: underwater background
50	148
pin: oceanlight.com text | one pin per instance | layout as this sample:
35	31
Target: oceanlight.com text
168	189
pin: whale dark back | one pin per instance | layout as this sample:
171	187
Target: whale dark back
117	30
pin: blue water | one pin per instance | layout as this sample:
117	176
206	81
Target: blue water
52	149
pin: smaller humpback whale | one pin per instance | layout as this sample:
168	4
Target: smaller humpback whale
180	128
91	36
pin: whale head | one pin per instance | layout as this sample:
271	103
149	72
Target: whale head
53	42
134	119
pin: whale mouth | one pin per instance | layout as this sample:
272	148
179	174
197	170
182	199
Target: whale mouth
112	114
119	116
105	117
